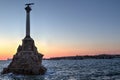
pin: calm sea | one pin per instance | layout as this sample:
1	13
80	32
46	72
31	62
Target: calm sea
88	69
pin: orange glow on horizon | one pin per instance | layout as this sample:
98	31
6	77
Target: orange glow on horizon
8	49
58	53
62	54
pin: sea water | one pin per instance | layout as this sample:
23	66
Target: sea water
87	69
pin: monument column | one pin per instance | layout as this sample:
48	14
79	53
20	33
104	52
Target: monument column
27	60
28	9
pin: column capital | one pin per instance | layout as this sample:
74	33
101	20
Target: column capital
28	9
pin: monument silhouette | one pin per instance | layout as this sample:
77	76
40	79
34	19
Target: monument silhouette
27	60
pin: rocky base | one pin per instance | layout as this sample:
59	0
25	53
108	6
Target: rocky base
22	71
27	60
28	63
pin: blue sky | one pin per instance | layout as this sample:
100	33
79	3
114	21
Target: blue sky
75	24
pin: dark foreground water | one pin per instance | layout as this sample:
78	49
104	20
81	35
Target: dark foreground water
88	69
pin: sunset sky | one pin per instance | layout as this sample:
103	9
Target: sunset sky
62	27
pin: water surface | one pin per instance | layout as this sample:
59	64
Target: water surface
87	69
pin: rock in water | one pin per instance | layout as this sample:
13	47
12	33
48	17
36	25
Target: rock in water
27	60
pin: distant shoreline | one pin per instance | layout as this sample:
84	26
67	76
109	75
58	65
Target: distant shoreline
101	56
77	57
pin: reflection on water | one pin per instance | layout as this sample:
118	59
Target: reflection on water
88	69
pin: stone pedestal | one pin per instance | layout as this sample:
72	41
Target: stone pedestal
27	60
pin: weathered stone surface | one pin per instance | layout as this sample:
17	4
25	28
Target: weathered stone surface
27	60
